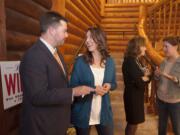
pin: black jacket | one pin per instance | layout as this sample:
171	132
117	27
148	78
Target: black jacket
46	96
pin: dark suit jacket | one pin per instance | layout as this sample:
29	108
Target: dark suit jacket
46	96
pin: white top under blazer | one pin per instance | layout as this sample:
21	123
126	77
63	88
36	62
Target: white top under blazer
96	101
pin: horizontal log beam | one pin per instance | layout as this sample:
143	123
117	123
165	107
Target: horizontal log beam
19	41
122	33
119	26
98	1
118	37
117	49
85	10
69	58
76	21
98	4
76	11
14	55
119	20
59	6
122	9
119	30
122	5
73	39
128	15
89	6
21	23
75	30
96	7
2	44
70	48
45	3
26	7
117	43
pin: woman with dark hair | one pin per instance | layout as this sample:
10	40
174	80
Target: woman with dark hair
135	78
95	69
168	93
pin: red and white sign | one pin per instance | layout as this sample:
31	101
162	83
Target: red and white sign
11	83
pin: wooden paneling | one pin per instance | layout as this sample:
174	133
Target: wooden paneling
74	39
3	130
76	30
19	22
125	14
22	24
96	7
91	8
19	41
119	20
84	10
46	3
2	31
59	6
20	28
26	7
98	4
131	1
12	120
23	20
76	21
164	19
119	26
81	14
70	49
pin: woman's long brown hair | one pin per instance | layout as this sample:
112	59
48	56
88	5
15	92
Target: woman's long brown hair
99	38
133	48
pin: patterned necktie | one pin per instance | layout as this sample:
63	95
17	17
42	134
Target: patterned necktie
56	56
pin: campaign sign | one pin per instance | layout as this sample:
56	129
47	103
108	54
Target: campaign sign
11	83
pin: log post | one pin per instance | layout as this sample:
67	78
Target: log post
2	57
102	7
59	6
2	31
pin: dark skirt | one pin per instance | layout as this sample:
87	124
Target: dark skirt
134	106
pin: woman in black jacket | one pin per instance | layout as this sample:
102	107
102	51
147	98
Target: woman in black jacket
135	78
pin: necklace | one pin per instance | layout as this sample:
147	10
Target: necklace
142	68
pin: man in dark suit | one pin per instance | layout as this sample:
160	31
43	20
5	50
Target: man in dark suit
46	96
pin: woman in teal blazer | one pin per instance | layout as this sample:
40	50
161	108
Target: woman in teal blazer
88	68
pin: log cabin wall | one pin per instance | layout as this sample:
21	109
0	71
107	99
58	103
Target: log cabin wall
22	24
2	57
2	31
22	30
81	14
163	20
130	1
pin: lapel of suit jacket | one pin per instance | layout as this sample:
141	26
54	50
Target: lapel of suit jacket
50	55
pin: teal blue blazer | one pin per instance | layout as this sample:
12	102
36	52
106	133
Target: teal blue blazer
82	75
